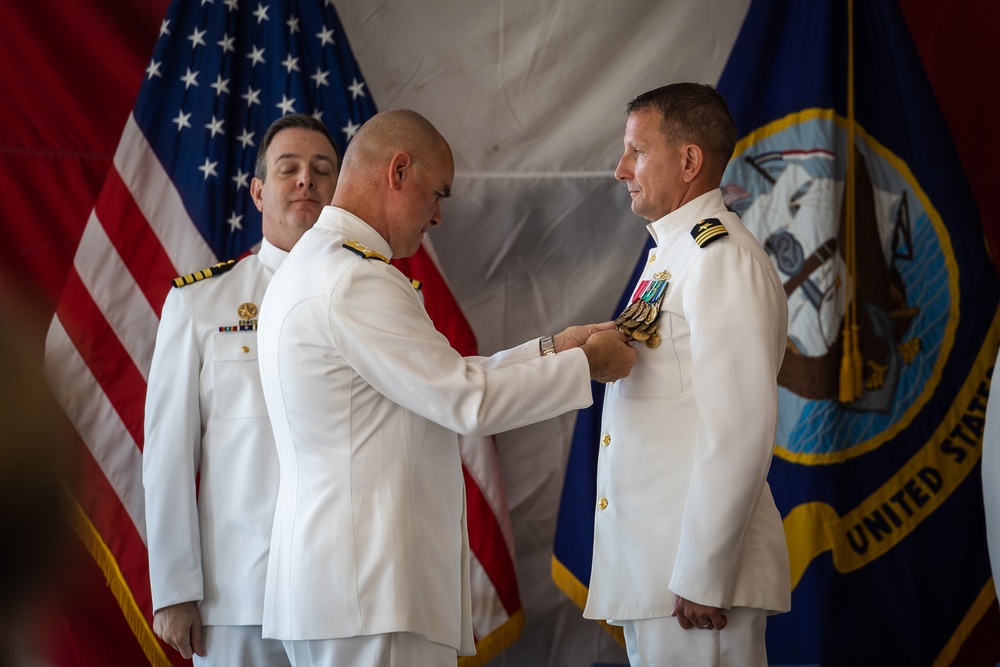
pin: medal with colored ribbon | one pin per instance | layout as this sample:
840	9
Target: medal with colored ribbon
248	322
641	316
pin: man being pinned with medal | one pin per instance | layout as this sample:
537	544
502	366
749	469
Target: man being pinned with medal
206	418
689	549
369	565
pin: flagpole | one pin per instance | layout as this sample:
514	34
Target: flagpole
851	364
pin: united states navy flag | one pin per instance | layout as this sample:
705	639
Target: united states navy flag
846	174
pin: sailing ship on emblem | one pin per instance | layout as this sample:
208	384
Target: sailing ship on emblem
800	221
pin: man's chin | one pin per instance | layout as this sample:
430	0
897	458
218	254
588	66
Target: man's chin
304	216
644	212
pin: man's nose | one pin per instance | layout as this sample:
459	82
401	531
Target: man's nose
306	180
622	173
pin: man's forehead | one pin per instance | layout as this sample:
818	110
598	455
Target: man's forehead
644	125
292	155
289	142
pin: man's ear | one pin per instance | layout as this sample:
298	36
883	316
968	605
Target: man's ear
256	185
399	169
693	159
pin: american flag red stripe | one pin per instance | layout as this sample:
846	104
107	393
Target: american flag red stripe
137	245
150	224
486	539
99	424
113	371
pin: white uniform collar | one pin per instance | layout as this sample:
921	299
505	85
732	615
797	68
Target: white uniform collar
356	229
699	208
271	255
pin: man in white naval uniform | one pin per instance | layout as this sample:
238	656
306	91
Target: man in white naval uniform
689	549
205	416
369	560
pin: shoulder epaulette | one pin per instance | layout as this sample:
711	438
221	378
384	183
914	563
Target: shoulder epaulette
364	251
417	285
708	231
213	270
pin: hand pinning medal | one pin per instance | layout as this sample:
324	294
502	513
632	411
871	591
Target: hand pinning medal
641	316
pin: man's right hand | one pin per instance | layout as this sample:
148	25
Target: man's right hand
610	356
180	626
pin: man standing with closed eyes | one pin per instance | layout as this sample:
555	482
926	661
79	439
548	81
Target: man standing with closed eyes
206	418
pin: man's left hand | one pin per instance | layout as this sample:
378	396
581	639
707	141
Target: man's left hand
576	336
701	617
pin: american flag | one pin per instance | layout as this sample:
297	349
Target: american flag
177	200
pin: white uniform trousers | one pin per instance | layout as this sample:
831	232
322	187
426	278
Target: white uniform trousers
662	642
243	645
393	649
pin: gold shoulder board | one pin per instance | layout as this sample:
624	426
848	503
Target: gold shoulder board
213	270
708	231
364	251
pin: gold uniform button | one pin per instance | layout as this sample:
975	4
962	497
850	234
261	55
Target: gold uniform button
246	350
606	440
602	503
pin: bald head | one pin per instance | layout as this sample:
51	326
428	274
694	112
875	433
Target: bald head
395	171
389	132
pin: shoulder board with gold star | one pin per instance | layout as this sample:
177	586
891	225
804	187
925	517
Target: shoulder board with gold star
708	231
213	270
364	251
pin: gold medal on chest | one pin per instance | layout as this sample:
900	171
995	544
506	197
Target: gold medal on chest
641	316
247	311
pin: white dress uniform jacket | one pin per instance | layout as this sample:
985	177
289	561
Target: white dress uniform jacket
684	507
365	398
205	415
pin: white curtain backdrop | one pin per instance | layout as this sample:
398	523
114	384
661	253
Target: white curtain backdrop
537	235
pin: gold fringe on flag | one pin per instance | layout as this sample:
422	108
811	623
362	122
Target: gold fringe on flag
92	540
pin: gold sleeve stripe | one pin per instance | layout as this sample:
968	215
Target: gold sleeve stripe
708	231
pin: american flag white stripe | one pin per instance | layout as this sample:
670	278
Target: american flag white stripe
96	421
116	294
487	608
